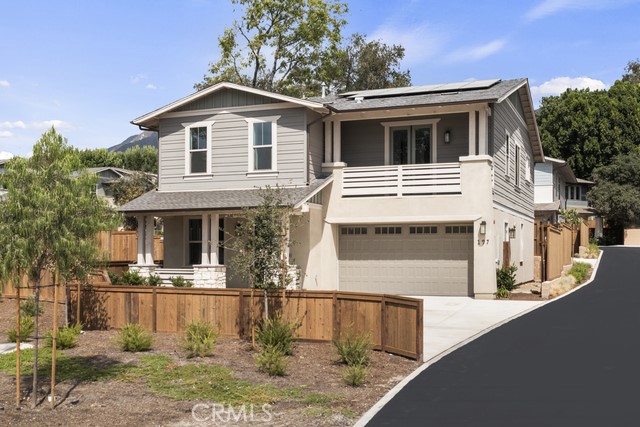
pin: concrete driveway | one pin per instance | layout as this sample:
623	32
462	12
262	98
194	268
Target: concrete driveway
572	362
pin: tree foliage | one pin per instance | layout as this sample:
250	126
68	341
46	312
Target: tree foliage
143	159
589	128
276	42
131	187
632	74
362	65
49	217
616	193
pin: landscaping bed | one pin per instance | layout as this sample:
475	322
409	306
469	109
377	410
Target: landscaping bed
98	384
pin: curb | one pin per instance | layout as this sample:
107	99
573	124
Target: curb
367	416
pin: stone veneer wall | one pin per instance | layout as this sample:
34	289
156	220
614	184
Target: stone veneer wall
209	276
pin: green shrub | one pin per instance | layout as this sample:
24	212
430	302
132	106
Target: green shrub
115	279
354	375
27	325
354	349
154	280
580	270
272	360
133	337
506	277
181	282
275	332
502	293
133	278
28	307
592	251
199	339
67	337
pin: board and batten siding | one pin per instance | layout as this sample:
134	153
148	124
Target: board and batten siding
507	121
229	151
363	140
227	98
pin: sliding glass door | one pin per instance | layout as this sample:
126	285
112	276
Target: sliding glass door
410	145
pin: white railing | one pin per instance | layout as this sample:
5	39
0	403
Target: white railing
402	180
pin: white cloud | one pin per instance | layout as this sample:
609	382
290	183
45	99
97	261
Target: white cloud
151	86
476	53
4	155
550	7
138	78
58	124
13	125
558	85
5	134
4	83
420	42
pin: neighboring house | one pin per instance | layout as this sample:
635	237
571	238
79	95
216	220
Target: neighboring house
107	176
404	191
556	187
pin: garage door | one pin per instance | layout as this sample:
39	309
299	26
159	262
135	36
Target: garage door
406	259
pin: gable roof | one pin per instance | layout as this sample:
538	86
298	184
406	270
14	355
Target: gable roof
150	119
563	168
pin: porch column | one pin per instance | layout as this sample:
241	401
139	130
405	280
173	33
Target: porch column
140	236
328	134
337	141
483	131
472	133
205	240
148	239
213	246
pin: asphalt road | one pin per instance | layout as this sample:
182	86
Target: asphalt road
574	362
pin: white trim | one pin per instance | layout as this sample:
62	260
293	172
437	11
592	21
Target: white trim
434	136
472	133
328	126
274	143
483	132
230	110
508	94
198	177
404	112
453	219
507	153
517	113
314	192
208	125
262	174
225	85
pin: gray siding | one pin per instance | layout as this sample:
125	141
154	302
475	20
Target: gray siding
316	144
506	120
229	151
543	174
363	140
362	143
226	98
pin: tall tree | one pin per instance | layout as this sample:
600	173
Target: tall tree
632	74
362	65
143	159
589	128
276	43
49	218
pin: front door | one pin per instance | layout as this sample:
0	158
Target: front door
411	145
195	241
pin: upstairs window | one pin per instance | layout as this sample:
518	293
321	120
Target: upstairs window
517	166
263	144
198	149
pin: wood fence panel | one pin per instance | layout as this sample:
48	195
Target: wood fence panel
395	323
584	234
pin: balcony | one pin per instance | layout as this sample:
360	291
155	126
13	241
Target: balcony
402	180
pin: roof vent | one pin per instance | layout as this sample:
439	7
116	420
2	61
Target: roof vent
359	99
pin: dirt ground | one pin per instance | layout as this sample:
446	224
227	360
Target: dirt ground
132	403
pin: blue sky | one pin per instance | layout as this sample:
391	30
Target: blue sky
90	67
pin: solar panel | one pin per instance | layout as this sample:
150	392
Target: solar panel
413	90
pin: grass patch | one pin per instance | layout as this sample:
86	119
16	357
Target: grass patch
95	368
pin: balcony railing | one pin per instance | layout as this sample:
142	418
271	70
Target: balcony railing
401	180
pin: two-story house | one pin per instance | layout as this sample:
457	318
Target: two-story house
413	191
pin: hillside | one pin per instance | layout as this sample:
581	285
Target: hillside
146	138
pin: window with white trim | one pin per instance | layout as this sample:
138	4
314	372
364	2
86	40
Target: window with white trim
507	163
517	166
263	144
198	148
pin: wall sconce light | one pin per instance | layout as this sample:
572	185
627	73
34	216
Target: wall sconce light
482	231
512	233
447	137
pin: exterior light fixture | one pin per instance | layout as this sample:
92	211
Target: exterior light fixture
512	232
447	137
483	228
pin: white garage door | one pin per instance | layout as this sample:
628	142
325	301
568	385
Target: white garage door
406	259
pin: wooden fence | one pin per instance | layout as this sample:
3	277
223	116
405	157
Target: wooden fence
556	244
395	323
122	246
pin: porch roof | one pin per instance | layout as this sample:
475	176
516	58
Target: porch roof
547	207
169	201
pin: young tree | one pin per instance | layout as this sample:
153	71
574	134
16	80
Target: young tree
260	244
49	219
276	42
